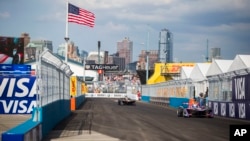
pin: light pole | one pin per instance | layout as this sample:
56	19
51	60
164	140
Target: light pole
99	61
84	63
147	53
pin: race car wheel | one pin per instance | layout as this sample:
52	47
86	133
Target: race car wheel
179	112
209	113
120	102
185	113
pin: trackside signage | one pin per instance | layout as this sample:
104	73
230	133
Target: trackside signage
108	67
17	94
241	88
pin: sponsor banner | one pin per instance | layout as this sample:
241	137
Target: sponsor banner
105	95
84	88
241	88
73	86
8	69
17	94
107	67
11	50
239	110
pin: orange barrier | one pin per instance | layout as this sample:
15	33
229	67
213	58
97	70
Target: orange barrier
73	104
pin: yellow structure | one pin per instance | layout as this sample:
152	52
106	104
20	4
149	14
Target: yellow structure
165	71
73	86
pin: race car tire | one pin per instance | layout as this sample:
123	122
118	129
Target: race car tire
180	112
120	102
209	113
185	113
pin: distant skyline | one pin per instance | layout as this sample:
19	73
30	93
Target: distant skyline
225	24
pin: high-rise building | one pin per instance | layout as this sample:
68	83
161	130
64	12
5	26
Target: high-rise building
116	60
125	50
165	46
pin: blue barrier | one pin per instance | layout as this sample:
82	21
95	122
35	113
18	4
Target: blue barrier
28	130
79	100
176	102
53	113
145	98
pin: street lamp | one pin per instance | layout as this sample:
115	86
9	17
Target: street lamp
147	53
84	63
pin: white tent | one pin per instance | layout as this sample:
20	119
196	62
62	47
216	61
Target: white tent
219	66
199	71
240	62
186	72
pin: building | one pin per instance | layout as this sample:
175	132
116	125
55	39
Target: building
215	53
152	58
101	58
83	54
116	60
165	46
26	38
30	49
125	50
73	52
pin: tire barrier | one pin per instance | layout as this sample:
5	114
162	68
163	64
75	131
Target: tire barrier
163	101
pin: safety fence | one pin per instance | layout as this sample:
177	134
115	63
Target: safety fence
228	94
164	101
122	86
52	99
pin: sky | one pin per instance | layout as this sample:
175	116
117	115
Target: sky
224	24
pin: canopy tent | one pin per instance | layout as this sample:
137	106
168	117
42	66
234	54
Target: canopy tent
219	66
186	72
199	71
240	62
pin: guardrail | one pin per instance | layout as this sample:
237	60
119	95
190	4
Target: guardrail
164	101
111	95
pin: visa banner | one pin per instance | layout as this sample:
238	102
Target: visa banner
17	94
241	88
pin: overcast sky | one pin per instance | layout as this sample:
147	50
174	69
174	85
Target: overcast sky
224	23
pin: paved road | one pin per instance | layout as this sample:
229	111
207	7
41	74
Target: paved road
8	121
103	119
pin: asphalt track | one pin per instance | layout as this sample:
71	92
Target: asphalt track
8	121
103	119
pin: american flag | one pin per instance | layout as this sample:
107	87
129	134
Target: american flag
80	16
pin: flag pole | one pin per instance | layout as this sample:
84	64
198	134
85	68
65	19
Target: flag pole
66	33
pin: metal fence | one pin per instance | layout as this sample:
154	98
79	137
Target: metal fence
53	78
219	87
123	86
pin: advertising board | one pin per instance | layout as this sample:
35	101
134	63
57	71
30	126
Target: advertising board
11	50
17	94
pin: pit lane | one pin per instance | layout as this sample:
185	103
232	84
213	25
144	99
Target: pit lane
150	122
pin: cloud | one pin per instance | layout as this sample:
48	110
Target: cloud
4	15
51	17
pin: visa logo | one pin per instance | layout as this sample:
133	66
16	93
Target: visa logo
17	94
17	87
